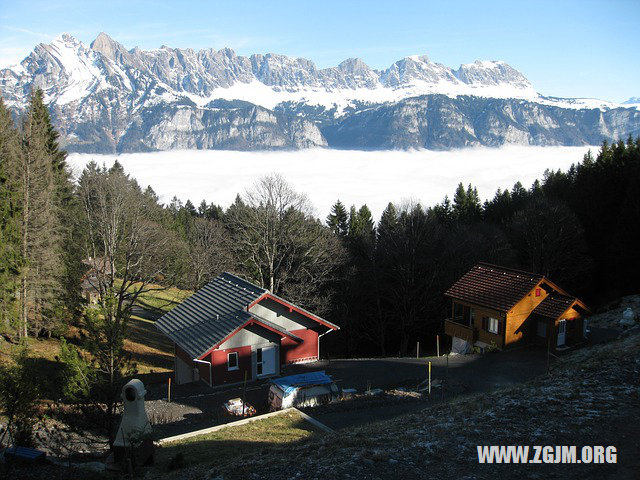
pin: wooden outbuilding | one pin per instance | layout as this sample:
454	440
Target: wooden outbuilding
498	307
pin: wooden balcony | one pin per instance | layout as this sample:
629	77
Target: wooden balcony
464	332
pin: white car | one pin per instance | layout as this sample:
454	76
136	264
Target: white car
302	390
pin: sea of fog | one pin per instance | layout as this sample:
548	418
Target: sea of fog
354	177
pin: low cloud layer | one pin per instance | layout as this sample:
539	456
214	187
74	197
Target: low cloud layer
354	177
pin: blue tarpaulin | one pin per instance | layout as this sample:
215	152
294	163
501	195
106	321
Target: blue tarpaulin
290	383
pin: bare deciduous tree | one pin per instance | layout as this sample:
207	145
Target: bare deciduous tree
127	252
280	244
208	251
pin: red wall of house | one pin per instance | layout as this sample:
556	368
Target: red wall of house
292	351
219	361
203	370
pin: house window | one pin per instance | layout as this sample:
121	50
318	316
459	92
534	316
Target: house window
232	361
542	328
492	325
259	361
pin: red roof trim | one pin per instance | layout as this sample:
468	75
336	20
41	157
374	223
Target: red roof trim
291	306
244	325
258	300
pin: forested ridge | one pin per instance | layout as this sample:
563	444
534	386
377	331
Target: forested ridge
381	281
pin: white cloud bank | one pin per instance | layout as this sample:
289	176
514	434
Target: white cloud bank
354	177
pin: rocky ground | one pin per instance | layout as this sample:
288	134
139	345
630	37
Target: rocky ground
611	314
590	397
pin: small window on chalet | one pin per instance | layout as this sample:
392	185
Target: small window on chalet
492	325
232	361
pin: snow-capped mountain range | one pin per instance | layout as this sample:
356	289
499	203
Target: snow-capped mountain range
105	98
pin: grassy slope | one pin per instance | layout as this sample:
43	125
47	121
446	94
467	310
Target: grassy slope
151	350
162	299
263	437
591	397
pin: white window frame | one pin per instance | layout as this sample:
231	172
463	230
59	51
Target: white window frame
229	367
493	325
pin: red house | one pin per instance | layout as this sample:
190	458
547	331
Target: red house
231	327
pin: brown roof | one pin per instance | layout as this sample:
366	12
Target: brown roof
554	305
494	287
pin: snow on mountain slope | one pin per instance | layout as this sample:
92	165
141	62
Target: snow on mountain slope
70	71
106	98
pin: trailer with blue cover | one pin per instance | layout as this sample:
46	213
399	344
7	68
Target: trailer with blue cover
302	390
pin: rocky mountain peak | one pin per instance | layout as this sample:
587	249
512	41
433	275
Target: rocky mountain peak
107	98
107	46
353	65
66	38
491	73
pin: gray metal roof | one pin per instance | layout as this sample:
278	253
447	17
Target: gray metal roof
210	314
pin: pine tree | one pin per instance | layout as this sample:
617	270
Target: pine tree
10	258
361	225
45	193
337	220
190	209
466	203
388	222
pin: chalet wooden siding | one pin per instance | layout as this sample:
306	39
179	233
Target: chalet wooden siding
518	301
518	318
480	332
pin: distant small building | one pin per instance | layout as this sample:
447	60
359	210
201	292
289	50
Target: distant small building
90	291
94	270
231	328
498	307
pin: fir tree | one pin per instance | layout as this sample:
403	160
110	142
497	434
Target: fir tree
190	209
45	192
466	203
387	226
10	258
337	220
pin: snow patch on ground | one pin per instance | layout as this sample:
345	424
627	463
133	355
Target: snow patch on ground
353	176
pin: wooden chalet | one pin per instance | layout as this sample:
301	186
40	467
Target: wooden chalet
498	307
231	328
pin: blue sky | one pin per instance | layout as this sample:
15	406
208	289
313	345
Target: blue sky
565	48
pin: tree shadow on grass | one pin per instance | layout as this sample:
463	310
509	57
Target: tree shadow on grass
145	333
